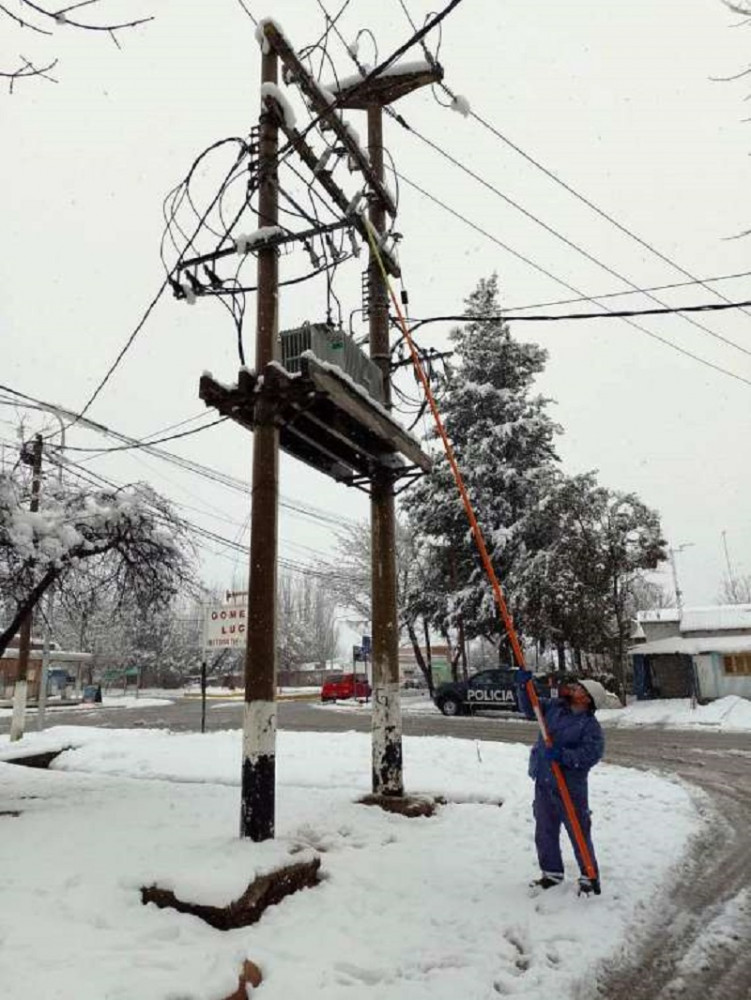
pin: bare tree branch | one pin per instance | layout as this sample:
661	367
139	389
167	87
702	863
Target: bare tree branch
60	17
21	22
29	69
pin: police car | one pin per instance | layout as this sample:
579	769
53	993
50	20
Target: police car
490	689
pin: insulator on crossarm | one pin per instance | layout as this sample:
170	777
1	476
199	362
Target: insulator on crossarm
354	205
194	283
214	280
315	260
323	160
177	288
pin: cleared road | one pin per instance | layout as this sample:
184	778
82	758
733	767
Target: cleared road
680	956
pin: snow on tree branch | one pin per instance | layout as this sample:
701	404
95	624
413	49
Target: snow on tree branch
133	531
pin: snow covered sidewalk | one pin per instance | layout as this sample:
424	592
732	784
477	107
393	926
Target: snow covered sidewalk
409	909
730	714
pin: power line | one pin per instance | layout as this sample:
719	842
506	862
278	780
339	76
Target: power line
553	176
617	295
564	239
608	314
565	284
99	481
483	232
143	444
595	208
549	274
152	305
188	465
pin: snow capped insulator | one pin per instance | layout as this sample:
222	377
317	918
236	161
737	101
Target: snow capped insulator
355	203
61	18
354	48
356	248
460	104
323	160
190	295
242	244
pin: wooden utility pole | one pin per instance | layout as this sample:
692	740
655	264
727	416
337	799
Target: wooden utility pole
387	713
259	722
24	636
318	416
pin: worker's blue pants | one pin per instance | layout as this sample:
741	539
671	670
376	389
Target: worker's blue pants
549	813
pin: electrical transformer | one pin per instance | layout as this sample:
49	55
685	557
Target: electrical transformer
335	348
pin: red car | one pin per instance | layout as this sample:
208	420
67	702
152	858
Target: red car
339	687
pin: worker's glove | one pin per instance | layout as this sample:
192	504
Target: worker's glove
554	753
523	676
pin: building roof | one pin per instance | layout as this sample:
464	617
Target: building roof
659	615
56	655
719	618
693	645
711	618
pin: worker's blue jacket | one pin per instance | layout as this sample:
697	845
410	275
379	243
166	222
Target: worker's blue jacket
579	736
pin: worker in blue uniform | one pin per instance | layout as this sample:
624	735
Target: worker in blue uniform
578	744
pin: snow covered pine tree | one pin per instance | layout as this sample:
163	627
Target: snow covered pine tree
503	439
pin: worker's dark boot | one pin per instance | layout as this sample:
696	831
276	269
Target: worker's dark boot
547	881
588	886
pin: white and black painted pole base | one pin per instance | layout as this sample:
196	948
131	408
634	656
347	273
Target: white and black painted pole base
18	721
258	792
388	778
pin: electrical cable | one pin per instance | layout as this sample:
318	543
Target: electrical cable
608	314
616	295
141	444
553	176
188	465
564	239
565	284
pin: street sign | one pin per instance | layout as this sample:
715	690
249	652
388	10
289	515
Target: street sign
366	645
224	626
357	654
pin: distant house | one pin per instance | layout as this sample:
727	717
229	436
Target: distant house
697	651
410	672
63	664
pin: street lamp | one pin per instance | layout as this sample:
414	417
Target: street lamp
673	552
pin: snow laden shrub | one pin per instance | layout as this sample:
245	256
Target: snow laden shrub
504	438
131	534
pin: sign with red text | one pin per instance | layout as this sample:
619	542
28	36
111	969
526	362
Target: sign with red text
224	626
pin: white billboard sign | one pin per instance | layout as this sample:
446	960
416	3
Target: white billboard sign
224	626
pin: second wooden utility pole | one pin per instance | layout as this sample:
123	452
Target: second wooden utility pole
259	722
24	635
387	713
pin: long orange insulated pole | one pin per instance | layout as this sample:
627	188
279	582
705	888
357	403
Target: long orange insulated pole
488	565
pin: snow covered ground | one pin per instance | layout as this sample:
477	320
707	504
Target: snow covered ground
729	714
409	909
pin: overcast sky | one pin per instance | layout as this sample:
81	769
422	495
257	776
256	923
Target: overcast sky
617	99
